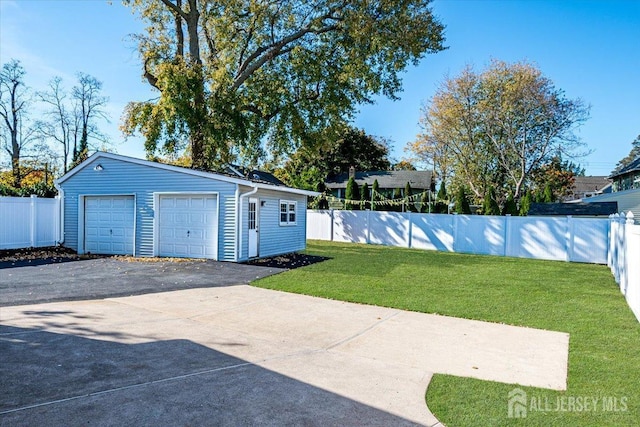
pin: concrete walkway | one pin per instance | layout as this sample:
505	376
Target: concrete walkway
243	355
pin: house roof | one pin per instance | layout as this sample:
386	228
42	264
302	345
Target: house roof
634	166
575	209
386	179
590	184
252	174
258	179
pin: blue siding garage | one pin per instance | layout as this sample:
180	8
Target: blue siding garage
114	204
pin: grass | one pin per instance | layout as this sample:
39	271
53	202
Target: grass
581	299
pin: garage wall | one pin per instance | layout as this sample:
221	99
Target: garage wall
122	177
274	238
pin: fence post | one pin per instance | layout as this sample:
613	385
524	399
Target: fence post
410	230
368	226
507	231
33	221
331	227
455	232
569	238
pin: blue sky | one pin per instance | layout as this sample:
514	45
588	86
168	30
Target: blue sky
590	49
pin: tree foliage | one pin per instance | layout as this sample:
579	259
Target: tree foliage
490	205
332	155
235	73
375	190
462	205
633	154
496	127
352	193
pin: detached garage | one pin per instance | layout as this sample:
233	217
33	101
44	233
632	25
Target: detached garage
113	204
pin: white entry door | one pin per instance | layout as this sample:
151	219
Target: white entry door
108	225
187	226
253	227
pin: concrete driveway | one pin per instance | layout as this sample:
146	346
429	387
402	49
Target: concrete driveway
239	355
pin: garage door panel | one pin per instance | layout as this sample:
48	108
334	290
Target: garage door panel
187	226
109	224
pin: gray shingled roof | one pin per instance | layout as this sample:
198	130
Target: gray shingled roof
421	180
575	209
590	184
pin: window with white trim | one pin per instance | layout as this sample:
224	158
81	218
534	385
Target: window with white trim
287	212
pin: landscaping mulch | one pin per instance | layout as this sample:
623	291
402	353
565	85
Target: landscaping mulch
40	256
288	261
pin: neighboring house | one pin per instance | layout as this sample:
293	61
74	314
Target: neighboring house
588	186
625	190
388	181
114	204
627	178
596	209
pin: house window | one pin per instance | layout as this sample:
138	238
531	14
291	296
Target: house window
287	212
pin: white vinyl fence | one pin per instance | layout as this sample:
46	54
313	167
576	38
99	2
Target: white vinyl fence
551	238
624	258
28	222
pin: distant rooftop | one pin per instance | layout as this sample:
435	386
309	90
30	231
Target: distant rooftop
252	175
386	179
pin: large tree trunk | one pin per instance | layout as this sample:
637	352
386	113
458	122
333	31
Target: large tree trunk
15	162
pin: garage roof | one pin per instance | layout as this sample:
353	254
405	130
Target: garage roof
259	183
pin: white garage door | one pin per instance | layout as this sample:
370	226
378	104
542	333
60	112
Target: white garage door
108	225
187	226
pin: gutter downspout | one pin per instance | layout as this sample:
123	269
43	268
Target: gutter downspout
239	218
61	206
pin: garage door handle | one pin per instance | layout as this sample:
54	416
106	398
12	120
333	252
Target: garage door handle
188	232
110	231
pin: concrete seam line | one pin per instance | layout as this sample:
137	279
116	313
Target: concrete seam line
112	390
362	332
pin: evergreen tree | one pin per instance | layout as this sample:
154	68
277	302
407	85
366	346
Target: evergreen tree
510	206
352	193
525	203
397	195
424	201
490	206
547	195
442	193
462	202
408	192
365	197
375	189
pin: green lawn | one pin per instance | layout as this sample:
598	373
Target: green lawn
581	299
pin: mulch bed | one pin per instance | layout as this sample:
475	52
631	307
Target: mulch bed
40	256
288	261
53	254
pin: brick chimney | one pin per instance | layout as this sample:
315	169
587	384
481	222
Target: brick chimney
352	172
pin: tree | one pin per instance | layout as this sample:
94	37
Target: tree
375	190
397	197
462	202
495	128
558	175
88	107
404	165
408	192
510	206
17	131
332	155
525	203
352	193
233	74
633	154
365	197
490	206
